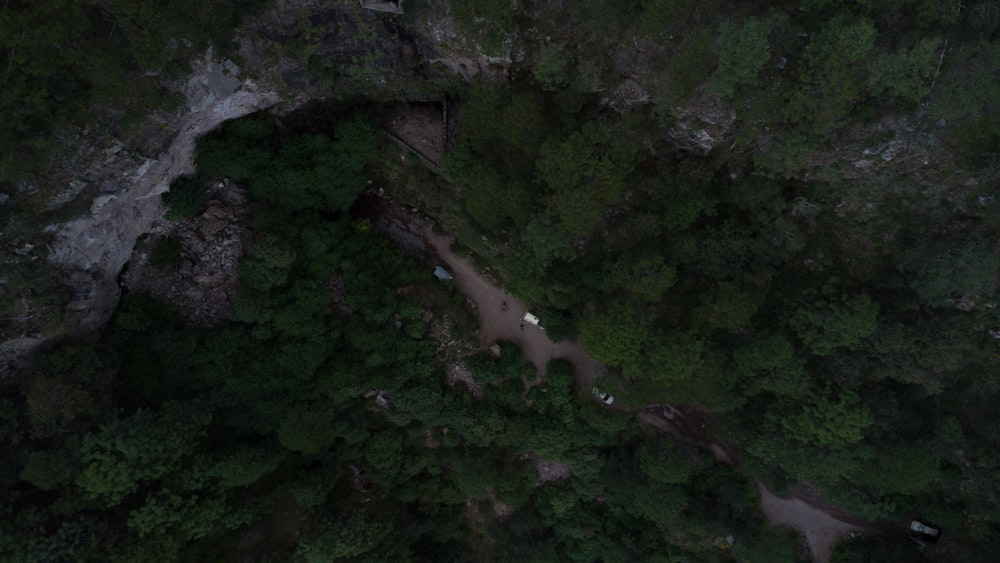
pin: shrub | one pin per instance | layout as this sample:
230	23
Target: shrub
186	198
167	253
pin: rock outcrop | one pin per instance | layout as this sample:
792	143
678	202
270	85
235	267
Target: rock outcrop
94	248
702	124
352	51
203	255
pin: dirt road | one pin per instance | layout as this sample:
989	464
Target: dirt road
821	530
497	323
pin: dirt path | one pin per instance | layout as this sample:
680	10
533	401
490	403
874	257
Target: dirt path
821	530
687	425
495	323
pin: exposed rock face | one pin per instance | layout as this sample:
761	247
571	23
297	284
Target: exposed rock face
204	283
355	50
331	51
461	54
702	124
94	248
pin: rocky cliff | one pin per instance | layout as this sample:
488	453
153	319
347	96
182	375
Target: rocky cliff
296	51
94	248
302	50
371	51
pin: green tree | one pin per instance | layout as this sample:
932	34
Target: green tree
831	76
552	67
50	469
67	387
479	126
767	352
662	17
307	430
907	469
10	427
523	123
127	452
418	401
785	156
970	89
54	405
384	454
769	545
475	474
727	306
663	462
348	536
670	358
614	335
559	382
583	177
267	264
742	51
244	467
928	353
943	270
692	60
549	441
647	277
183	517
546	241
186	198
907	73
828	324
40	50
303	172
828	421
492	199
660	504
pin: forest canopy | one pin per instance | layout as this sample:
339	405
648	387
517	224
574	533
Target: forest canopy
820	305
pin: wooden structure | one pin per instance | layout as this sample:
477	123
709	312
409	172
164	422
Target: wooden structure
391	6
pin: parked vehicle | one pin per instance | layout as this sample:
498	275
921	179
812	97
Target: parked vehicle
529	318
604	397
923	532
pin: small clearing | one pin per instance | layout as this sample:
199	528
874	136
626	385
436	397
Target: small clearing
821	530
421	128
499	323
551	470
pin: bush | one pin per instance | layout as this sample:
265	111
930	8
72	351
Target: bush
167	253
185	199
552	65
742	51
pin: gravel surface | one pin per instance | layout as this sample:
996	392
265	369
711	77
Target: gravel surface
497	323
821	530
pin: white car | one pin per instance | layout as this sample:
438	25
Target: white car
604	397
924	531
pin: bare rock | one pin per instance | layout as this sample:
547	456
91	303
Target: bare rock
99	245
202	288
702	124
